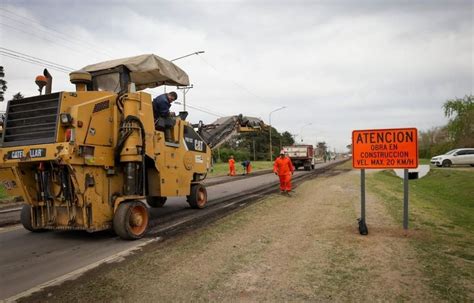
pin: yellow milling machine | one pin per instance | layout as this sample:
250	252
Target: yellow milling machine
88	159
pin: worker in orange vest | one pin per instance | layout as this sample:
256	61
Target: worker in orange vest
249	167
284	169
231	166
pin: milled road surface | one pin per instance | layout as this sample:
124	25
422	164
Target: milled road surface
30	259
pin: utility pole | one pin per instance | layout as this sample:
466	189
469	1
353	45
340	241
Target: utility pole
185	88
185	91
254	158
270	122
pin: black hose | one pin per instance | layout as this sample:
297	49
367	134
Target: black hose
123	139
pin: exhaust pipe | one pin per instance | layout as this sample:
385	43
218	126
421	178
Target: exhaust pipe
49	81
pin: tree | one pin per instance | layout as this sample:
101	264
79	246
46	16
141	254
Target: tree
254	145
3	84
321	149
18	96
433	142
461	123
287	139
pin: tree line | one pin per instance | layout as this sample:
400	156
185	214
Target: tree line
457	133
253	146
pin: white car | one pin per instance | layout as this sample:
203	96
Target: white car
459	156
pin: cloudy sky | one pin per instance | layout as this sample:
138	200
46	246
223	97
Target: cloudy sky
336	65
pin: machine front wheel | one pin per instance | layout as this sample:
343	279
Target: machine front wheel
198	196
131	220
25	218
156	201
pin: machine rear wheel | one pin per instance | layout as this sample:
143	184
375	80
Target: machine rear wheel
131	220
156	201
198	196
25	219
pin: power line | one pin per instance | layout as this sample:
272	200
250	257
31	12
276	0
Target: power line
41	38
205	110
33	59
58	34
36	58
33	62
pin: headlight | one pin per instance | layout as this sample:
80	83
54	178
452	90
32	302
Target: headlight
65	118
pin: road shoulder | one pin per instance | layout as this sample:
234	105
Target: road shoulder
304	247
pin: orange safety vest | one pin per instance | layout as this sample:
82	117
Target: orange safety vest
283	166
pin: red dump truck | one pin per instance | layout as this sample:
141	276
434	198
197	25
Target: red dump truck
301	155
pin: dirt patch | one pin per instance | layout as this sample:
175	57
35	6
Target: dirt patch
300	248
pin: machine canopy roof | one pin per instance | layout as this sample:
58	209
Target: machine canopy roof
146	71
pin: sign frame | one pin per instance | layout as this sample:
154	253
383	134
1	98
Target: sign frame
381	147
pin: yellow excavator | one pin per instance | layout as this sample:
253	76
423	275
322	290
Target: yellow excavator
90	158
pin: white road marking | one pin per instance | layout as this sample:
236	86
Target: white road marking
76	273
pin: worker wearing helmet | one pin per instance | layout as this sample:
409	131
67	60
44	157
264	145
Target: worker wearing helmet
284	169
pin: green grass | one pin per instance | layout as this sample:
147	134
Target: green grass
222	169
3	194
424	161
345	165
441	210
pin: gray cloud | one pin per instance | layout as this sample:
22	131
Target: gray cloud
340	65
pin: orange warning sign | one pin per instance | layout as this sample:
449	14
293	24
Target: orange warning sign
385	148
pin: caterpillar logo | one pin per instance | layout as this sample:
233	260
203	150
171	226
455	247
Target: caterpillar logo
193	141
20	154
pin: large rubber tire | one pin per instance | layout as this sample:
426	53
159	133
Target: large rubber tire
198	196
156	202
447	163
131	220
25	218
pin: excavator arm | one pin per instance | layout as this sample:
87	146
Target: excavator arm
224	128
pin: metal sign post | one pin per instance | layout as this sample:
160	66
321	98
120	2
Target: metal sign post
362	225
362	194
405	199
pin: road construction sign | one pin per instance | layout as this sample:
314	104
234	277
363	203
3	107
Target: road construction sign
385	148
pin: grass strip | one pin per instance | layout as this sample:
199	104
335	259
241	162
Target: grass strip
441	210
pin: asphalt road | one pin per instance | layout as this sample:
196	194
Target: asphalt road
30	259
